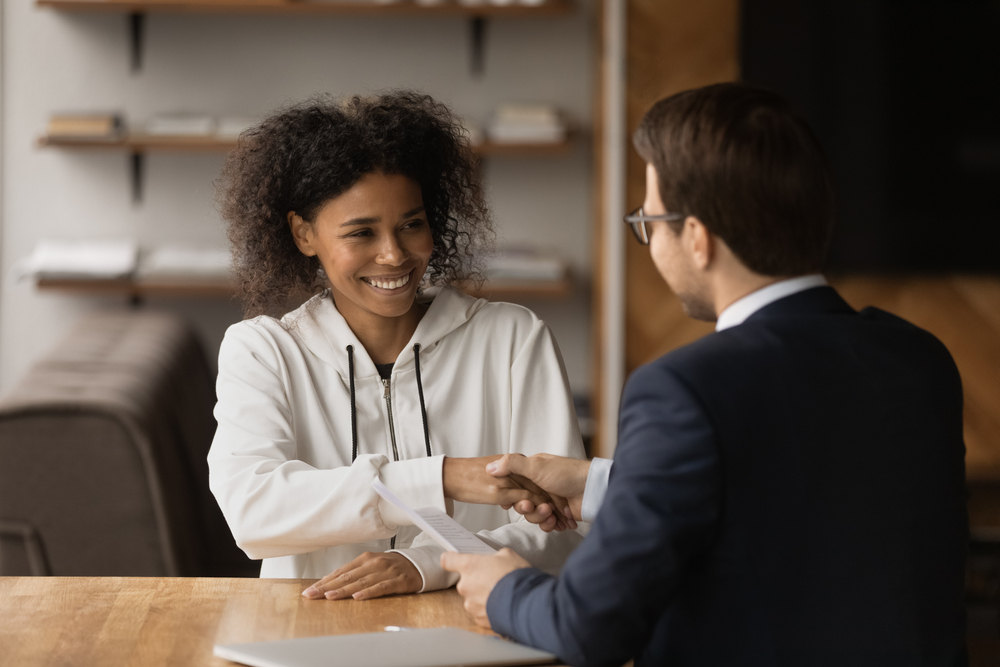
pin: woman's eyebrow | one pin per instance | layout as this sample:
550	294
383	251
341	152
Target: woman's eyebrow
372	220
360	221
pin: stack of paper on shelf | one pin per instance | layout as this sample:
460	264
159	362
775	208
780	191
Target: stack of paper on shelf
85	126
175	263
181	125
502	3
523	265
81	260
473	130
230	127
527	124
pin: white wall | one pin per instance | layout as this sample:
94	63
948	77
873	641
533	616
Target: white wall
247	66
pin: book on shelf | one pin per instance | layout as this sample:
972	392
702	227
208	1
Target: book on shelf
181	125
527	124
80	259
85	126
230	127
501	3
184	264
515	265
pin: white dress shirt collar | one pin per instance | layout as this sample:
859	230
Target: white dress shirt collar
738	311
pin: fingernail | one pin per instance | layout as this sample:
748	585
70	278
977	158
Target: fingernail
568	512
310	592
491	467
359	595
330	595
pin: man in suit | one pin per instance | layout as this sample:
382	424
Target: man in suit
787	491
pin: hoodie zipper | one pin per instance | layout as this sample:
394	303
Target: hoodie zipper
392	437
392	430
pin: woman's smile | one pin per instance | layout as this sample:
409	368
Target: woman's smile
389	284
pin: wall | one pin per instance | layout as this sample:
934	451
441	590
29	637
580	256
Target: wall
673	46
248	65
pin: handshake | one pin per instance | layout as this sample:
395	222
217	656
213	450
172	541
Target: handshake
546	489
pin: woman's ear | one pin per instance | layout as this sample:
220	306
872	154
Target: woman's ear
302	233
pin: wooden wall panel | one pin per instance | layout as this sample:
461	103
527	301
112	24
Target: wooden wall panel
964	313
673	45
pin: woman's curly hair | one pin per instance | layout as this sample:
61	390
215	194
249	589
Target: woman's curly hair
305	155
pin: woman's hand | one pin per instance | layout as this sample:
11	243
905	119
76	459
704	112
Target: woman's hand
562	478
370	575
466	480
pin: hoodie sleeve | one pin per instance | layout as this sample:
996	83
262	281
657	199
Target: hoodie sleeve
543	419
275	504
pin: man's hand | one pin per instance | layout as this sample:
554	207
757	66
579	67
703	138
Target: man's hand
370	575
479	574
466	480
564	479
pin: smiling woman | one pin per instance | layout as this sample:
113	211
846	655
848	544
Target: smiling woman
375	206
374	243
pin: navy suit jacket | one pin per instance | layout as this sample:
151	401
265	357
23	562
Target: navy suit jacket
790	491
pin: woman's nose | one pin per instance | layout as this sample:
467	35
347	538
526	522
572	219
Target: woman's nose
391	251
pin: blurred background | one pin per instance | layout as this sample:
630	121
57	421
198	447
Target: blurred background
116	118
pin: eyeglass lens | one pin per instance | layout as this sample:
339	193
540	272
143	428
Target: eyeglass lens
639	227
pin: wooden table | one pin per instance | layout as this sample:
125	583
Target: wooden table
158	621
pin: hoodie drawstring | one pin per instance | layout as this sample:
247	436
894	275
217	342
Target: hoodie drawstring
354	409
420	393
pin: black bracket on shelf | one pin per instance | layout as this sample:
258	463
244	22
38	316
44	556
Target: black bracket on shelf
137	27
137	161
477	27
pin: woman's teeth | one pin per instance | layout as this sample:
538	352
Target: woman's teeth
391	284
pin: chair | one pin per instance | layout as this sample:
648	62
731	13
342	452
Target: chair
103	448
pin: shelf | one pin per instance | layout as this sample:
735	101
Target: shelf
137	289
141	143
192	288
557	148
513	290
305	7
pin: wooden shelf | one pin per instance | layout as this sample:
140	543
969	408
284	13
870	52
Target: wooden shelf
556	148
137	289
307	7
527	289
143	143
193	288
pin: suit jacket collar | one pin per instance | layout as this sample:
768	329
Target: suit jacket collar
816	301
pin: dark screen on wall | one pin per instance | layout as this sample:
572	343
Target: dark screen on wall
905	97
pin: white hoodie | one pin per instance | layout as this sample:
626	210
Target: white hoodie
281	462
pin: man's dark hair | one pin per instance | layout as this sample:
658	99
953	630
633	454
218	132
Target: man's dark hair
307	154
742	161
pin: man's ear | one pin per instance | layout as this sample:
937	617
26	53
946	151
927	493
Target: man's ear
701	243
302	233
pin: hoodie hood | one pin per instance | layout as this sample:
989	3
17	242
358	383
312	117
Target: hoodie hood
324	331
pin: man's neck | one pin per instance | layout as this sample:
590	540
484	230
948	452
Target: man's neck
738	284
739	310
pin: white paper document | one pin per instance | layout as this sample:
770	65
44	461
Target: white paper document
447	532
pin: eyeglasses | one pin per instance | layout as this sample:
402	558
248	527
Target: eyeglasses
637	221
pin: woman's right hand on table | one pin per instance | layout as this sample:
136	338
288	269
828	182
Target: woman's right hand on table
370	575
